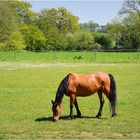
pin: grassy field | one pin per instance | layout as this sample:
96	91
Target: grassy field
74	57
27	88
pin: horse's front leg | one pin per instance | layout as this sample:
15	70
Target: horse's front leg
77	108
72	100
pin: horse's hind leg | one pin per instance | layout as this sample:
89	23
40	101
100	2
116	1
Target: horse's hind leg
77	108
101	98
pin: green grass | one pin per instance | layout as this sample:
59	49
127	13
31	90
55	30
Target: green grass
74	57
26	93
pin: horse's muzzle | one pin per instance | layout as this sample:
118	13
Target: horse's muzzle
54	120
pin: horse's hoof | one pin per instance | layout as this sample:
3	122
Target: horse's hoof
79	116
71	117
98	116
114	115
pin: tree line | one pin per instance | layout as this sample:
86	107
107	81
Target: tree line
58	29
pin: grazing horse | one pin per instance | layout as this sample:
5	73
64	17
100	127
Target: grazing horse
83	85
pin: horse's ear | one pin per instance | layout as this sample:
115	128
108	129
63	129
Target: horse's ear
52	101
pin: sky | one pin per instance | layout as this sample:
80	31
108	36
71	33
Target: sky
99	11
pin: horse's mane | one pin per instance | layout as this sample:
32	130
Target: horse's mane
62	89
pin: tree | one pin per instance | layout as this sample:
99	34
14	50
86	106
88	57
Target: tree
57	24
10	36
130	7
104	39
131	23
126	32
90	26
8	20
58	18
83	40
23	11
115	30
131	31
16	41
34	37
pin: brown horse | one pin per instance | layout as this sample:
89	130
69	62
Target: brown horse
82	85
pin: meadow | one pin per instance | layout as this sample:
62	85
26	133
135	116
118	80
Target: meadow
74	57
28	86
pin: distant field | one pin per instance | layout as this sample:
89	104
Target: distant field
26	90
74	57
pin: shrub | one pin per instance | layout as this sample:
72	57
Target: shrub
104	39
16	42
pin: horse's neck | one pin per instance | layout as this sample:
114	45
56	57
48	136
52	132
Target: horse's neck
59	97
61	90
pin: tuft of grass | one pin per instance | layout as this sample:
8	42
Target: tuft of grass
25	104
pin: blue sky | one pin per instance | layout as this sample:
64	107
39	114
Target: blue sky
101	11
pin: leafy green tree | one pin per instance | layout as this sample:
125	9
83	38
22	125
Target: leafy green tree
104	39
10	36
126	32
131	32
59	18
15	42
23	11
56	40
90	26
34	37
7	20
131	23
56	24
83	40
115	30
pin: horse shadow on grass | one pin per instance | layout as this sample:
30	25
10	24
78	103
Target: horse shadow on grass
66	118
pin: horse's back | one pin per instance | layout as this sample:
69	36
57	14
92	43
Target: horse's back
86	84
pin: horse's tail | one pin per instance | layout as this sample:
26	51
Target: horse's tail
62	89
113	96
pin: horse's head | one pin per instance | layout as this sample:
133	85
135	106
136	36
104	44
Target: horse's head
56	109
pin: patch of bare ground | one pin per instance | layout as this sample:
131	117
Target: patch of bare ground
20	65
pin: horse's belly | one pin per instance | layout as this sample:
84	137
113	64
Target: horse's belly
85	92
